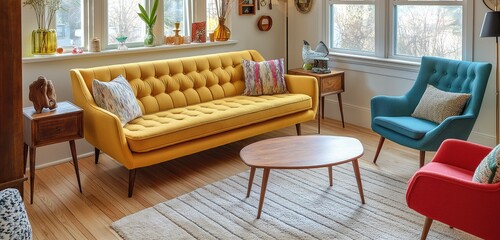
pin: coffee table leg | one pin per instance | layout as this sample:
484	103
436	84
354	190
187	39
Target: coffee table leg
265	177
250	180
330	175
355	165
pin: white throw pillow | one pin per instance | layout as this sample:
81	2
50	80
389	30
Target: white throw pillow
117	97
436	105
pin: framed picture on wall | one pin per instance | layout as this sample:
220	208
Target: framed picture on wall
246	7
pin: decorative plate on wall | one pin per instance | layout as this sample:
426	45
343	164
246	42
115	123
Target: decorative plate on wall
303	6
494	5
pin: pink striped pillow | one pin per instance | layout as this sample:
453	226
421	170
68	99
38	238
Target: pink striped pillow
264	78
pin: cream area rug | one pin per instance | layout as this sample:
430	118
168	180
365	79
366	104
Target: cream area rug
299	204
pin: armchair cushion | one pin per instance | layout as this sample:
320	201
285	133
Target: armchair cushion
487	170
411	127
117	97
264	78
436	105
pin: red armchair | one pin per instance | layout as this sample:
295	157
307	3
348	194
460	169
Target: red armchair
443	190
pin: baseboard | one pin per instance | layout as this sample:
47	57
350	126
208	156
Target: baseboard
64	160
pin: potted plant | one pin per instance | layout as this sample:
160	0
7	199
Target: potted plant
150	20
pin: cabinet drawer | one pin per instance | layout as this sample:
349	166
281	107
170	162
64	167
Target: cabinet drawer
58	129
331	84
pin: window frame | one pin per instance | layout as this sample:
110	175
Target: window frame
385	27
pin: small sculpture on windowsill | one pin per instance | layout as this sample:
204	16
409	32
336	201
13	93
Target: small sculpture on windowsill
42	94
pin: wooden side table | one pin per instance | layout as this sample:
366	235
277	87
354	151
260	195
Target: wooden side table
65	123
329	83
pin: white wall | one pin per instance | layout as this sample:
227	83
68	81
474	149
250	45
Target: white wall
365	79
244	30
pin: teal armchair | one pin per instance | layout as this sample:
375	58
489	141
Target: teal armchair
391	116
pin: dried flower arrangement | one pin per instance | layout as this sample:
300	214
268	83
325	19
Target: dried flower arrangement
45	11
224	9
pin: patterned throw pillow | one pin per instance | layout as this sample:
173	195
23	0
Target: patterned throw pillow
14	222
436	105
117	97
264	78
488	170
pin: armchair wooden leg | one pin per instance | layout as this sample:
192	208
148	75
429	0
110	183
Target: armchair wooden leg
422	158
427	227
96	155
131	181
298	128
380	143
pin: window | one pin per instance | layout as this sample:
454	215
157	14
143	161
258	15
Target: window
212	20
176	11
402	29
123	20
70	31
353	26
78	21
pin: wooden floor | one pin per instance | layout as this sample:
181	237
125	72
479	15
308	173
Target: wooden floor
60	211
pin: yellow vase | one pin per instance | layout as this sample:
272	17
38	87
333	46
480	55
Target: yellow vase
43	42
222	32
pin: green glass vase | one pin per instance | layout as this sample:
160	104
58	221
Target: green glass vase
43	42
149	40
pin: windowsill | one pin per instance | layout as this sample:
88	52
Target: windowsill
66	56
388	63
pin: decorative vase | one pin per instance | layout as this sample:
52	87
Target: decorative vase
43	42
222	32
149	41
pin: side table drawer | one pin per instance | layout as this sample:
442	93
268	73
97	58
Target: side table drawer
58	129
331	84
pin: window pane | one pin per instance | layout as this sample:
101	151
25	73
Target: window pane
174	12
124	21
428	30
69	24
353	27
212	20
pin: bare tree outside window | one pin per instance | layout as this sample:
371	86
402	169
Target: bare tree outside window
69	24
429	30
353	27
124	21
212	20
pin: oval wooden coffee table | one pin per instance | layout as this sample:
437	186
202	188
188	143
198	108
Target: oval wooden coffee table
301	152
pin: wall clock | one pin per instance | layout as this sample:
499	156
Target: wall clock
494	5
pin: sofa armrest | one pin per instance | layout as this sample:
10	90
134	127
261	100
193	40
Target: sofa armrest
305	85
102	128
389	106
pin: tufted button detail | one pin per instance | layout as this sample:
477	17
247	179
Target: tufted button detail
445	73
434	71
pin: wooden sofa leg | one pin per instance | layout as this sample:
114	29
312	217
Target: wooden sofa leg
379	147
131	181
297	127
96	155
422	158
427	227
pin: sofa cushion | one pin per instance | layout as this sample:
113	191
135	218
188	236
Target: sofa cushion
264	78
158	130
411	127
436	105
117	97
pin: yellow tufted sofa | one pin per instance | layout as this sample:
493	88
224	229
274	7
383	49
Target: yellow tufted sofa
189	105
